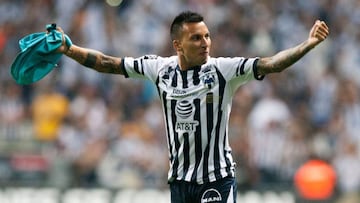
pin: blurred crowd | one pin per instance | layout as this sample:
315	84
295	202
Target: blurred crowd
104	130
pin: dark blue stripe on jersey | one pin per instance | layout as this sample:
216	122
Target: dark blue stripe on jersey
174	80
217	127
227	160
184	79
136	66
242	67
142	67
238	69
256	75
166	121
175	163
210	121
122	68
196	79
217	165
186	152
198	148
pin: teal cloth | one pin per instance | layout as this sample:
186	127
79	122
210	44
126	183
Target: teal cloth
38	55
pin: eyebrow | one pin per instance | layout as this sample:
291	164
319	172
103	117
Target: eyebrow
199	34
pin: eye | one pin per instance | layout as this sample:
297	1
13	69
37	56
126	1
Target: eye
199	37
195	37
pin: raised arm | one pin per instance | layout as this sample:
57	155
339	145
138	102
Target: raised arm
286	58
91	58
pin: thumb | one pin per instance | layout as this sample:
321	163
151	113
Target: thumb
65	43
313	29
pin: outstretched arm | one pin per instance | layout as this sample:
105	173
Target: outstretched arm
91	58
286	58
94	59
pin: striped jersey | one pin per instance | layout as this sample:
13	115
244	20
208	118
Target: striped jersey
196	105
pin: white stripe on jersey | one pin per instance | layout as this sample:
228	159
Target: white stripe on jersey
196	105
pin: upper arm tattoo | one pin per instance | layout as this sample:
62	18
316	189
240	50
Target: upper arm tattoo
102	63
109	64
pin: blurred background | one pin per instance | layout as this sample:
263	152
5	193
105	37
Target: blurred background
77	128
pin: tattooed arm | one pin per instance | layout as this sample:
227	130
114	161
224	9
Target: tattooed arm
94	59
286	58
91	58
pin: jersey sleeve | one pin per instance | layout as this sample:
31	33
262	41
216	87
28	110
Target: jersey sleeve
238	70
145	67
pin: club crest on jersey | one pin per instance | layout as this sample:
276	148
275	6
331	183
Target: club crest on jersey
208	77
209	81
166	75
185	112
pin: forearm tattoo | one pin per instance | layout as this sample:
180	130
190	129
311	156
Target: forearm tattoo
282	60
90	60
96	60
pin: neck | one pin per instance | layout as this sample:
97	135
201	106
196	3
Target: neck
184	64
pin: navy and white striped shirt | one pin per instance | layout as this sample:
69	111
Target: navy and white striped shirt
196	104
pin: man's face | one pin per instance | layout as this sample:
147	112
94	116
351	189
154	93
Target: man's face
194	44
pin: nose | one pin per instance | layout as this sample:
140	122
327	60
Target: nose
205	42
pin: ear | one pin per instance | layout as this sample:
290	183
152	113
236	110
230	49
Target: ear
177	45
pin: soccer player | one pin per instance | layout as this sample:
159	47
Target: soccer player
196	92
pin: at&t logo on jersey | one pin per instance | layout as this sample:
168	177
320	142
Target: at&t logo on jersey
185	112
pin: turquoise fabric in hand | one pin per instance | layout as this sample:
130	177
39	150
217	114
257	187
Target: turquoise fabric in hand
38	55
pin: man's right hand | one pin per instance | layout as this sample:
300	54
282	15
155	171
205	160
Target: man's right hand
64	47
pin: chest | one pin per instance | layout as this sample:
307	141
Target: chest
186	85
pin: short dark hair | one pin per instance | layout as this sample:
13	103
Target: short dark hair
179	20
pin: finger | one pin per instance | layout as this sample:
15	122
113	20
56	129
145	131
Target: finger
62	33
323	30
323	24
320	24
313	29
63	41
59	29
321	35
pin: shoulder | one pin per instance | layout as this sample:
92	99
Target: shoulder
158	59
225	62
150	61
223	59
158	64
